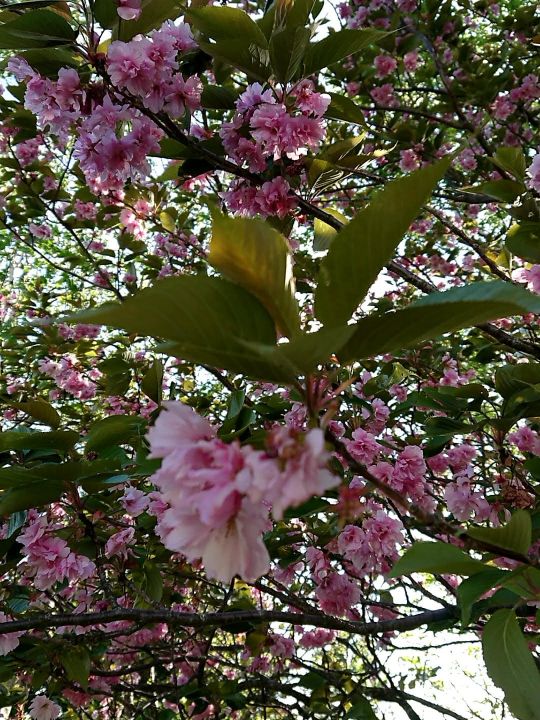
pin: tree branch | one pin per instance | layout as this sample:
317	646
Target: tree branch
225	619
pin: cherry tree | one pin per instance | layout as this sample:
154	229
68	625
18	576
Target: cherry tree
270	364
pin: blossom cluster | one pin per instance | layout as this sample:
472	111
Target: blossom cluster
47	557
266	129
215	497
68	376
147	67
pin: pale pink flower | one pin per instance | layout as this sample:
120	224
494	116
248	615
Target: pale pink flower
464	503
129	9
337	594
274	198
408	160
252	96
384	95
410	61
305	472
176	428
134	501
41	708
526	440
460	456
118	544
533	171
8	641
384	65
363	447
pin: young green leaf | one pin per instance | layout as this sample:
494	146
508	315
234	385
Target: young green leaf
434	315
516	535
436	557
33	495
76	662
207	318
40	410
254	255
115	430
226	23
338	45
57	440
470	590
36	29
364	246
153	14
511	666
523	240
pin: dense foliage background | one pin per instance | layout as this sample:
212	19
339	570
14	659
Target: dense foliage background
270	365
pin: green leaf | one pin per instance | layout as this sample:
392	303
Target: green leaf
511	666
58	440
504	190
217	97
49	61
236	403
304	352
115	430
525	582
516	535
152	382
287	50
343	108
33	495
249	57
153	14
154	582
40	410
510	379
361	710
364	246
523	240
324	233
36	29
511	160
76	662
105	12
209	319
436	314
436	557
226	23
470	590
336	46
254	255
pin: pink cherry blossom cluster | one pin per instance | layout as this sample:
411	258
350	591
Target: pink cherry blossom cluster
48	559
505	104
78	332
56	104
268	128
373	547
531	276
43	708
107	154
8	641
336	592
147	67
216	496
533	172
28	151
526	440
129	9
68	377
461	497
406	476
